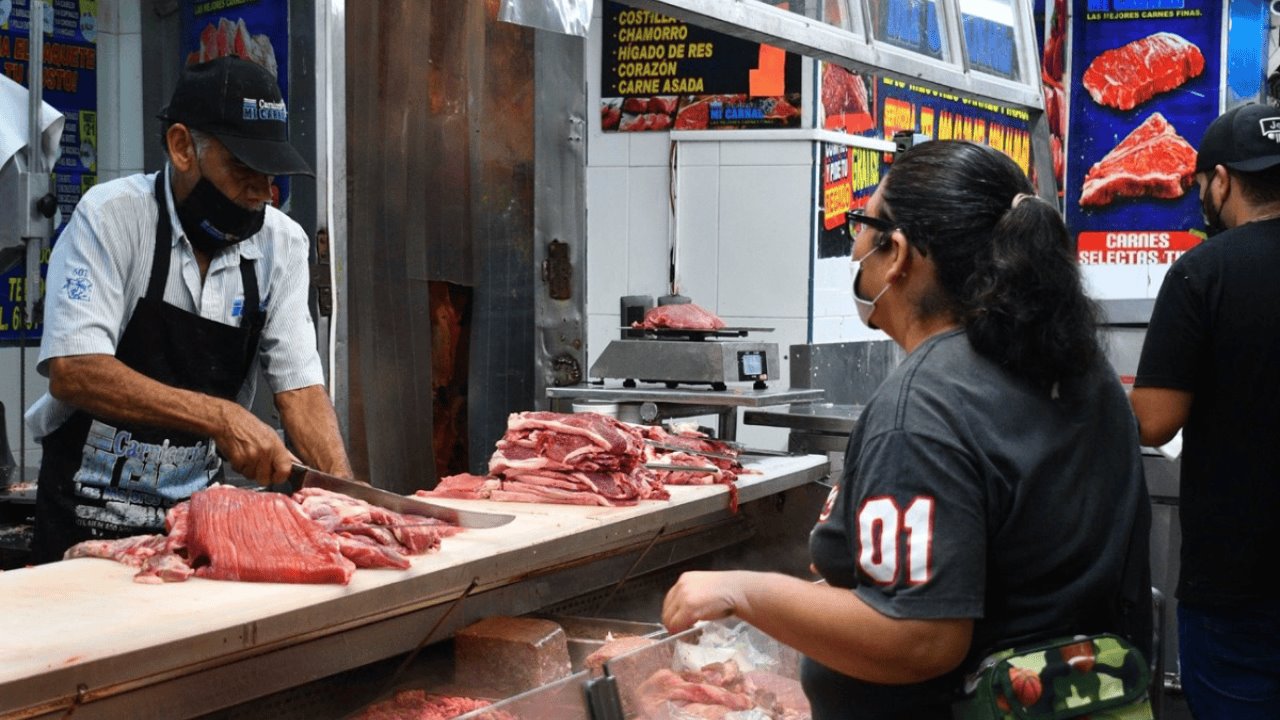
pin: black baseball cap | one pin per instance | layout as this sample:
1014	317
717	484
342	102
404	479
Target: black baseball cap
238	102
1246	138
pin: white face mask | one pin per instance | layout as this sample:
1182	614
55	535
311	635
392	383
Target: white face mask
865	307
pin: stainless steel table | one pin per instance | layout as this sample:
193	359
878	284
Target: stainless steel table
641	404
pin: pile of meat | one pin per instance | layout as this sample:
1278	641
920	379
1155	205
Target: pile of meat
315	536
421	705
1153	160
686	316
590	459
718	689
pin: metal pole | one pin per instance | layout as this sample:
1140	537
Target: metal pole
37	184
37	173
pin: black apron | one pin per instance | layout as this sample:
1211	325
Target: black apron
104	479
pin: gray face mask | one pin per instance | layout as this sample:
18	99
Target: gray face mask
865	307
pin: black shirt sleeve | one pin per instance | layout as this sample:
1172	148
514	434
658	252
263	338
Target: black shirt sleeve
1173	351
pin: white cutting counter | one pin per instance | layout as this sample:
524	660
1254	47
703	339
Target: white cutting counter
81	633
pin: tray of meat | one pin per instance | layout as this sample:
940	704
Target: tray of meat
564	699
592	641
722	670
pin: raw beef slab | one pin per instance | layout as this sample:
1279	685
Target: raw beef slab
1131	74
261	537
1154	160
687	316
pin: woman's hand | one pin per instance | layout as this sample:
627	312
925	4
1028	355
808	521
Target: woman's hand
704	596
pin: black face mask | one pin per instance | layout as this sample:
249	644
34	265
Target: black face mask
214	222
1212	216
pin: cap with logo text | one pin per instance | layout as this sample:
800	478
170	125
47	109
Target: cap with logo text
238	102
1246	138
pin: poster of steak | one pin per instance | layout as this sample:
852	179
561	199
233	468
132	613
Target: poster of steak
70	86
659	73
1143	84
256	30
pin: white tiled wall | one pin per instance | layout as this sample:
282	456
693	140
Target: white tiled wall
119	66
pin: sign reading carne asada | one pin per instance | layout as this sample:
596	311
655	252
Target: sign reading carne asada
659	73
1144	86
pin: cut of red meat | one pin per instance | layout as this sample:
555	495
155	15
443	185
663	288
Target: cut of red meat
260	537
664	104
694	116
666	685
614	648
842	91
1153	160
132	551
421	705
231	534
463	486
686	316
635	105
1131	74
609	117
367	552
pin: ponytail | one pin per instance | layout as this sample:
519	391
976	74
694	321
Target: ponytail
1025	308
1002	257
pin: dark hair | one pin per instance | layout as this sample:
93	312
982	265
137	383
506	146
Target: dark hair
1008	273
1261	187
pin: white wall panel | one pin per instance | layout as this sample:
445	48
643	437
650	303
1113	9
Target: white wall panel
764	241
698	223
607	232
648	218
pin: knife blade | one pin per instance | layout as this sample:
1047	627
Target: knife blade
680	448
710	469
302	476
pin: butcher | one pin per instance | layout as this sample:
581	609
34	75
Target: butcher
166	291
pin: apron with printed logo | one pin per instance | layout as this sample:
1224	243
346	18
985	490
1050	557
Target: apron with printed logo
105	479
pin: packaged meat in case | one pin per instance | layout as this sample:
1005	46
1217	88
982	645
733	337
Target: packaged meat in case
722	670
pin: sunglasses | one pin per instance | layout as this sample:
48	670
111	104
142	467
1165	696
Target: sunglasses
858	220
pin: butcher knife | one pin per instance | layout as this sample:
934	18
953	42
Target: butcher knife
680	448
302	476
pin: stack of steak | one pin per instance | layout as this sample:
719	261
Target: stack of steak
579	459
590	459
316	536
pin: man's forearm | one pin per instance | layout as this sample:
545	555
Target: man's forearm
105	387
312	426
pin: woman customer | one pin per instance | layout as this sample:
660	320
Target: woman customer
993	493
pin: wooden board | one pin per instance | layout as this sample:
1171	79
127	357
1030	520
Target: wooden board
84	624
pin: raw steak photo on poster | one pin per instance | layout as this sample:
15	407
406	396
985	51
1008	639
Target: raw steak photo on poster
1116	179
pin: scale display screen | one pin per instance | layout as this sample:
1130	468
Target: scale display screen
752	365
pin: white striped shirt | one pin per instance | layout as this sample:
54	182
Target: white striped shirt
100	266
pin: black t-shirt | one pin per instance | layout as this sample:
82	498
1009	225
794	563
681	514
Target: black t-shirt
1215	332
967	493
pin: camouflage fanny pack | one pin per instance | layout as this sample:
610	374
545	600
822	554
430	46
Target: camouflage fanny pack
1101	676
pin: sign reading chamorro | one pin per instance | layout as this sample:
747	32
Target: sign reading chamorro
658	73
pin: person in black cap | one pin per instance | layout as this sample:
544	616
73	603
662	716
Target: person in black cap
1210	366
166	291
